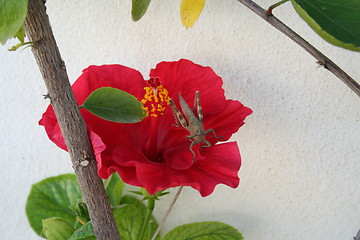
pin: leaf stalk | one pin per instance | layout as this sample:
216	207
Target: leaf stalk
149	210
269	11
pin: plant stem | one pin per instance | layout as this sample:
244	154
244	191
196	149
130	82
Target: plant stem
149	210
322	59
80	220
71	123
167	212
269	11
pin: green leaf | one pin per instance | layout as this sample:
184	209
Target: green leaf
139	8
85	232
20	35
130	217
115	105
337	21
204	231
131	200
12	17
190	11
57	228
128	222
114	188
52	197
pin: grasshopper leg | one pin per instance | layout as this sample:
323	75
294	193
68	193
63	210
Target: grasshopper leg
191	150
191	137
208	144
212	130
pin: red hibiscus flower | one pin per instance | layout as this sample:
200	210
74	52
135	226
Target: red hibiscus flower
155	153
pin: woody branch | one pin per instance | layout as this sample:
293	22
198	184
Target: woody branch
71	123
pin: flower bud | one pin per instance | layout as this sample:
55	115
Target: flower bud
57	228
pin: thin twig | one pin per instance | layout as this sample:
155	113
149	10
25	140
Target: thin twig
322	59
167	212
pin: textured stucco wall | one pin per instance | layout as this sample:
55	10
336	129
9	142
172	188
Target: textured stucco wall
300	148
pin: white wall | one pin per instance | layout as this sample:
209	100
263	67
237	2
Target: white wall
300	148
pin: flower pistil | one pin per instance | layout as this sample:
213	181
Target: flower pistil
155	101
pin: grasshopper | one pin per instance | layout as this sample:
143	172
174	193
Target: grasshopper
194	125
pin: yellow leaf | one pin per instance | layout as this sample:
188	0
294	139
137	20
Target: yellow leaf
190	11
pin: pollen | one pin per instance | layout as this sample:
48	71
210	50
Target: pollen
156	98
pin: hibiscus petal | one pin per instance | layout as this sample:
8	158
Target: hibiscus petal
97	144
187	77
124	159
220	166
116	76
52	128
94	77
226	122
180	157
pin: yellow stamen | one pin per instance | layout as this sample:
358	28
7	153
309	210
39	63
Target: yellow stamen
155	100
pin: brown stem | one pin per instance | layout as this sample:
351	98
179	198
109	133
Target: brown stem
71	123
168	211
322	59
